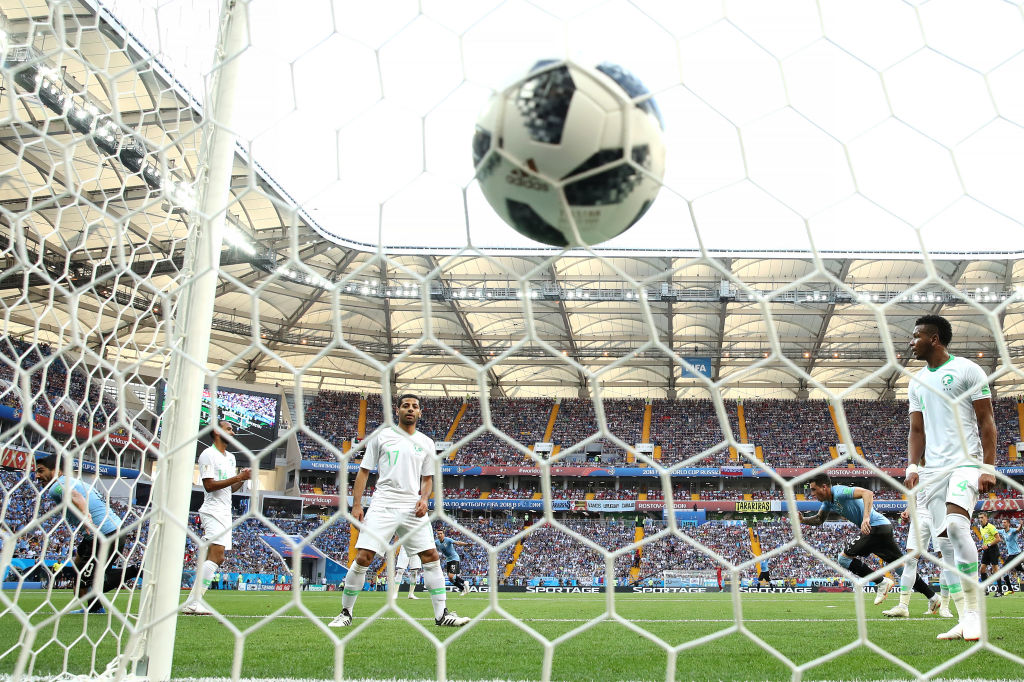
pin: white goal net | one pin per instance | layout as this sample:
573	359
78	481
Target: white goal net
266	213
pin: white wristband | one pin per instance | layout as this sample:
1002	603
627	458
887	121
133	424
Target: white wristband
911	469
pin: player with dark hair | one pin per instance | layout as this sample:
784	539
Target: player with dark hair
90	514
404	459
952	443
1011	541
452	560
220	478
988	561
876	536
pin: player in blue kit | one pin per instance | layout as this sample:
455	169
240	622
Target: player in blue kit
452	560
1011	541
876	535
99	541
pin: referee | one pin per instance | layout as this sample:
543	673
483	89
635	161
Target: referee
989	559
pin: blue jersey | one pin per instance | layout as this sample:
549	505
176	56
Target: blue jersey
447	549
1012	540
763	566
100	514
844	503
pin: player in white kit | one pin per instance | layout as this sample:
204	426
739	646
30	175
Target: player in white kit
949	397
919	537
404	562
220	478
404	458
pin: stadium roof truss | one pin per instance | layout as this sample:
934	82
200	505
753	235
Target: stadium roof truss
77	208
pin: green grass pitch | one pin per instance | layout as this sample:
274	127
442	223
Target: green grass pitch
288	645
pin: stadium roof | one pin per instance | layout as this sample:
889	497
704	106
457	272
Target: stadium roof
773	322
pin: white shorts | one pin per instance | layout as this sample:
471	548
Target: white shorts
381	524
405	561
216	529
959	487
925	521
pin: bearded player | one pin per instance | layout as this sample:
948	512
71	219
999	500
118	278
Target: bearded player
403	458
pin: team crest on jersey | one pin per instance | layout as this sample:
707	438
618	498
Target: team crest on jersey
947	380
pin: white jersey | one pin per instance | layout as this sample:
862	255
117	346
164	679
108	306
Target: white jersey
400	460
932	392
219	467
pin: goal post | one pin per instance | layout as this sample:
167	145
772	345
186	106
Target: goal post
191	343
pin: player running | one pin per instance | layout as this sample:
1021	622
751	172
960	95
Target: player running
876	535
1011	541
452	560
88	513
952	475
404	459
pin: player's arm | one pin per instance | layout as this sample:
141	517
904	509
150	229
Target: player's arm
211	484
426	487
868	498
915	447
815	520
357	492
987	431
78	499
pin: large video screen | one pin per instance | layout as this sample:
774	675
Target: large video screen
255	416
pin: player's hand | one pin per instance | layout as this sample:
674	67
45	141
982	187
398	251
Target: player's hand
357	512
421	509
865	527
911	480
905	514
986	482
245	474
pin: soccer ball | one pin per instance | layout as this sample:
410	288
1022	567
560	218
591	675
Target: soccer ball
562	130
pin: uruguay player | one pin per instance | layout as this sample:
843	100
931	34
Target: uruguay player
1011	540
876	535
452	560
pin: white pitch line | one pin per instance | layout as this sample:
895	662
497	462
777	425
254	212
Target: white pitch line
643	620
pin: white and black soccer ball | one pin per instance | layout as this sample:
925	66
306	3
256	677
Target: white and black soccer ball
565	129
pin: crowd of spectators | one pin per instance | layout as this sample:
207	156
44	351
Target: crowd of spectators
63	393
791	433
550	552
685	428
732	542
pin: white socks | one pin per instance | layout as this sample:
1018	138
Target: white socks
965	555
433	580
907	580
204	576
353	585
950	578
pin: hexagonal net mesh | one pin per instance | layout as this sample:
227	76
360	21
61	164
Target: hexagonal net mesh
266	215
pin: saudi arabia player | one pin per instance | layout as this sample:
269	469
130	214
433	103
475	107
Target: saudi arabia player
919	536
403	458
949	397
99	540
876	535
220	478
452	560
1011	540
413	564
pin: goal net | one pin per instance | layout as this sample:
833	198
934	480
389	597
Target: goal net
265	217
